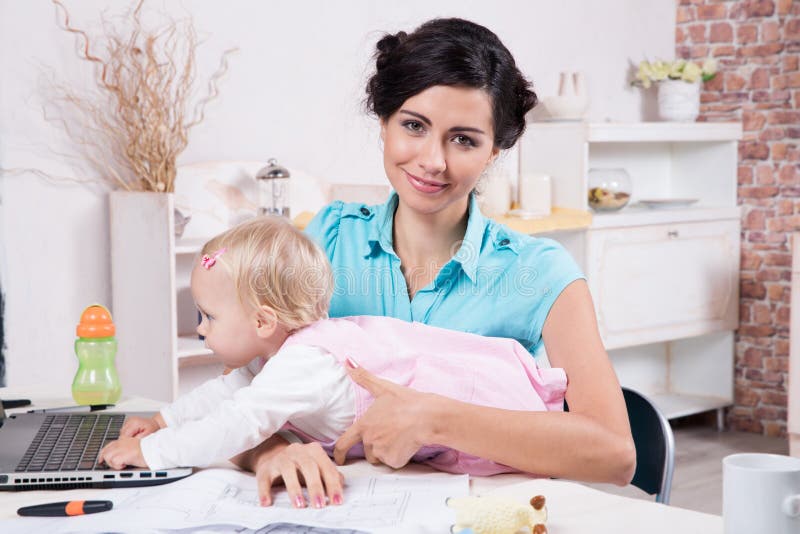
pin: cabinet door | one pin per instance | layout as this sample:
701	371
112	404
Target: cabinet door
662	282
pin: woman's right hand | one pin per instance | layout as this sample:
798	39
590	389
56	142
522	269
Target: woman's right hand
297	464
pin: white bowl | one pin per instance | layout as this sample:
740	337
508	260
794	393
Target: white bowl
564	107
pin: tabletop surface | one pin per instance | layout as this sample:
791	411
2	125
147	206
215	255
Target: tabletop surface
572	507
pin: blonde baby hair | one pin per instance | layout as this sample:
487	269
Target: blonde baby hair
273	263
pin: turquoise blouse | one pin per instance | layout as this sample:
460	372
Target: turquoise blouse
499	283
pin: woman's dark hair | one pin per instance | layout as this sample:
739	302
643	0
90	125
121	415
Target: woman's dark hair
457	53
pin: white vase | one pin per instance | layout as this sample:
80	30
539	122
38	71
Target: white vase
678	100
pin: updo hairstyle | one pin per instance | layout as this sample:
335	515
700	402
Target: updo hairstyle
457	53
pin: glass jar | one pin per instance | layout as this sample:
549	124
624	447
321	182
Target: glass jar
609	189
274	188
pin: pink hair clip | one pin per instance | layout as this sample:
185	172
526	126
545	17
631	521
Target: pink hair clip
209	261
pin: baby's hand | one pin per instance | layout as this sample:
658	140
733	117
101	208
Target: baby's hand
139	427
121	453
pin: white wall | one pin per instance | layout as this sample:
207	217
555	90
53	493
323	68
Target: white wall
294	92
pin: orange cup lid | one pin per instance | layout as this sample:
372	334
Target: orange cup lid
96	322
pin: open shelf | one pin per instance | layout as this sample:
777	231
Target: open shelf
561	219
664	132
641	216
189	246
192	352
647	132
198	361
674	405
190	346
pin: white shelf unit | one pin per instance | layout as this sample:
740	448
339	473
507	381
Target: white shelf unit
663	132
159	354
665	282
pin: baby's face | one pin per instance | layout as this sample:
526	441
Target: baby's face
230	331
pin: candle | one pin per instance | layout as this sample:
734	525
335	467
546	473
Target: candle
495	196
534	193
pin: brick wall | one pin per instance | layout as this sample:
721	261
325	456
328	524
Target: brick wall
757	43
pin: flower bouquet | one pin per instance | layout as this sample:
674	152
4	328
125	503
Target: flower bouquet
680	69
678	85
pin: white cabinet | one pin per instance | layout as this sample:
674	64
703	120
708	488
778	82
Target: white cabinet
159	356
665	282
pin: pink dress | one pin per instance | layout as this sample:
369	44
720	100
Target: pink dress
487	371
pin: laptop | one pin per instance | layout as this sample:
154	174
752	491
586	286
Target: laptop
43	451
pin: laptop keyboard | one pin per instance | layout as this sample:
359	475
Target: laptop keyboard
70	442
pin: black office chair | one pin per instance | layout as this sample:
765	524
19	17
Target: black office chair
655	445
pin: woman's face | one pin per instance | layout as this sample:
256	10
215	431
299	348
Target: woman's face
436	146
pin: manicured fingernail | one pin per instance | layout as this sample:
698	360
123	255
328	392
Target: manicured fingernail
264	501
299	502
337	499
352	363
319	502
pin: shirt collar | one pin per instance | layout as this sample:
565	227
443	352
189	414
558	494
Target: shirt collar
468	253
470	249
380	233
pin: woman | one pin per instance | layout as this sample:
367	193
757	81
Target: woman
449	97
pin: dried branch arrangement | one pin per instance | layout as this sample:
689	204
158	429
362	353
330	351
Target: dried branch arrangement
135	122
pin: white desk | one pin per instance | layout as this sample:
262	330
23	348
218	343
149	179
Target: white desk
572	508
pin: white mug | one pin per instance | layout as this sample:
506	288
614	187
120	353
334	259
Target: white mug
761	493
534	193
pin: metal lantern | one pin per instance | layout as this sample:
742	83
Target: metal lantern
273	189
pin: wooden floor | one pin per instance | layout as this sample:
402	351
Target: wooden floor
699	450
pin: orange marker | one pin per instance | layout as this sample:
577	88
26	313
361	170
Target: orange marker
66	508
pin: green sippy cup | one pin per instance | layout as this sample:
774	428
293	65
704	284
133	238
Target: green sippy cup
96	381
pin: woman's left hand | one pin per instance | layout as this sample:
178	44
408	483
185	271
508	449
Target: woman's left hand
393	429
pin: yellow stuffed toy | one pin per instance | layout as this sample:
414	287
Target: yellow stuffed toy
494	515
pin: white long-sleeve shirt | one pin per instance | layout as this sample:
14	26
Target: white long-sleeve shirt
235	412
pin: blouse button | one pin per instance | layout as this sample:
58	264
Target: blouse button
365	212
504	242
